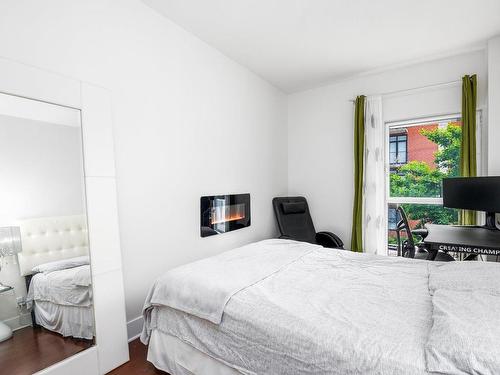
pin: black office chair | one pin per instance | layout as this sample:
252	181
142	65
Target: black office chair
295	223
408	248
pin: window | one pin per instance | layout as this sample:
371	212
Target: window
397	149
392	214
420	154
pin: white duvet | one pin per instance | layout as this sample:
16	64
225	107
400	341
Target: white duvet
67	287
325	312
465	335
186	288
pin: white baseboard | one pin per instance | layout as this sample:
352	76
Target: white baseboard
134	328
23	326
18	322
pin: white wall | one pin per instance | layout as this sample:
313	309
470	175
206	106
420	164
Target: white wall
188	122
320	128
41	168
494	106
41	176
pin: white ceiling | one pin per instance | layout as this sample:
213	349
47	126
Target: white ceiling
296	44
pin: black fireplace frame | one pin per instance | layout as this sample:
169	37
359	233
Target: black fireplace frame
212	205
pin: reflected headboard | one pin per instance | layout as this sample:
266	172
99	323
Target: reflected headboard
48	239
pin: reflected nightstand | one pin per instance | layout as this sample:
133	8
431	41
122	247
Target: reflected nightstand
5	331
5	288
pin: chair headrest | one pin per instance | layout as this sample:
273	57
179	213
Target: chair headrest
293	207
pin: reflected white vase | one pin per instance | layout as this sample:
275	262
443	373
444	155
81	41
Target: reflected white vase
5	332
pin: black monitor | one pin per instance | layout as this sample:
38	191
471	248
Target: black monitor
473	193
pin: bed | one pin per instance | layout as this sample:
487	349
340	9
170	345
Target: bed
287	307
55	263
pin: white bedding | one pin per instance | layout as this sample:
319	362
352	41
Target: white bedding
326	312
185	288
466	276
72	321
329	312
182	358
62	301
465	336
68	287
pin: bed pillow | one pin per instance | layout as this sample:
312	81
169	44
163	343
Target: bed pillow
61	264
466	276
465	335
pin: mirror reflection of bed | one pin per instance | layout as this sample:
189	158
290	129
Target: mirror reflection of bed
55	262
46	307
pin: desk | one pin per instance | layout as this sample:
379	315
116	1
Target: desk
463	239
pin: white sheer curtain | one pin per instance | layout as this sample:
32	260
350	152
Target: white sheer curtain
374	207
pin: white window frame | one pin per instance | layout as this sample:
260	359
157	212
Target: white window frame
416	122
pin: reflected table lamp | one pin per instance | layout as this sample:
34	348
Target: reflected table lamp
10	244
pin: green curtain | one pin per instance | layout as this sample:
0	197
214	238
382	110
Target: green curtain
359	149
468	165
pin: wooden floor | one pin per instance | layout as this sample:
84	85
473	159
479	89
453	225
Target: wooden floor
31	350
137	364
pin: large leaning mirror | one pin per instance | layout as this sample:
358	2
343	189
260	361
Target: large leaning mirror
46	308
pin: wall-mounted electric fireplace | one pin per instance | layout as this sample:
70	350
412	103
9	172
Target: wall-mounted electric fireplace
224	213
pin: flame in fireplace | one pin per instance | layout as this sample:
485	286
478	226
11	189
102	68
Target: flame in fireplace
224	213
226	219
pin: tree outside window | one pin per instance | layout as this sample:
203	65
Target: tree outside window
421	176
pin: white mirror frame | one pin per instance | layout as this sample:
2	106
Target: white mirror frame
111	349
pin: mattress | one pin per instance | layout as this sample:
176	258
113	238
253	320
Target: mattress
329	312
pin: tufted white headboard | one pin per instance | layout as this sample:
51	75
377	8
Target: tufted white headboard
48	239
